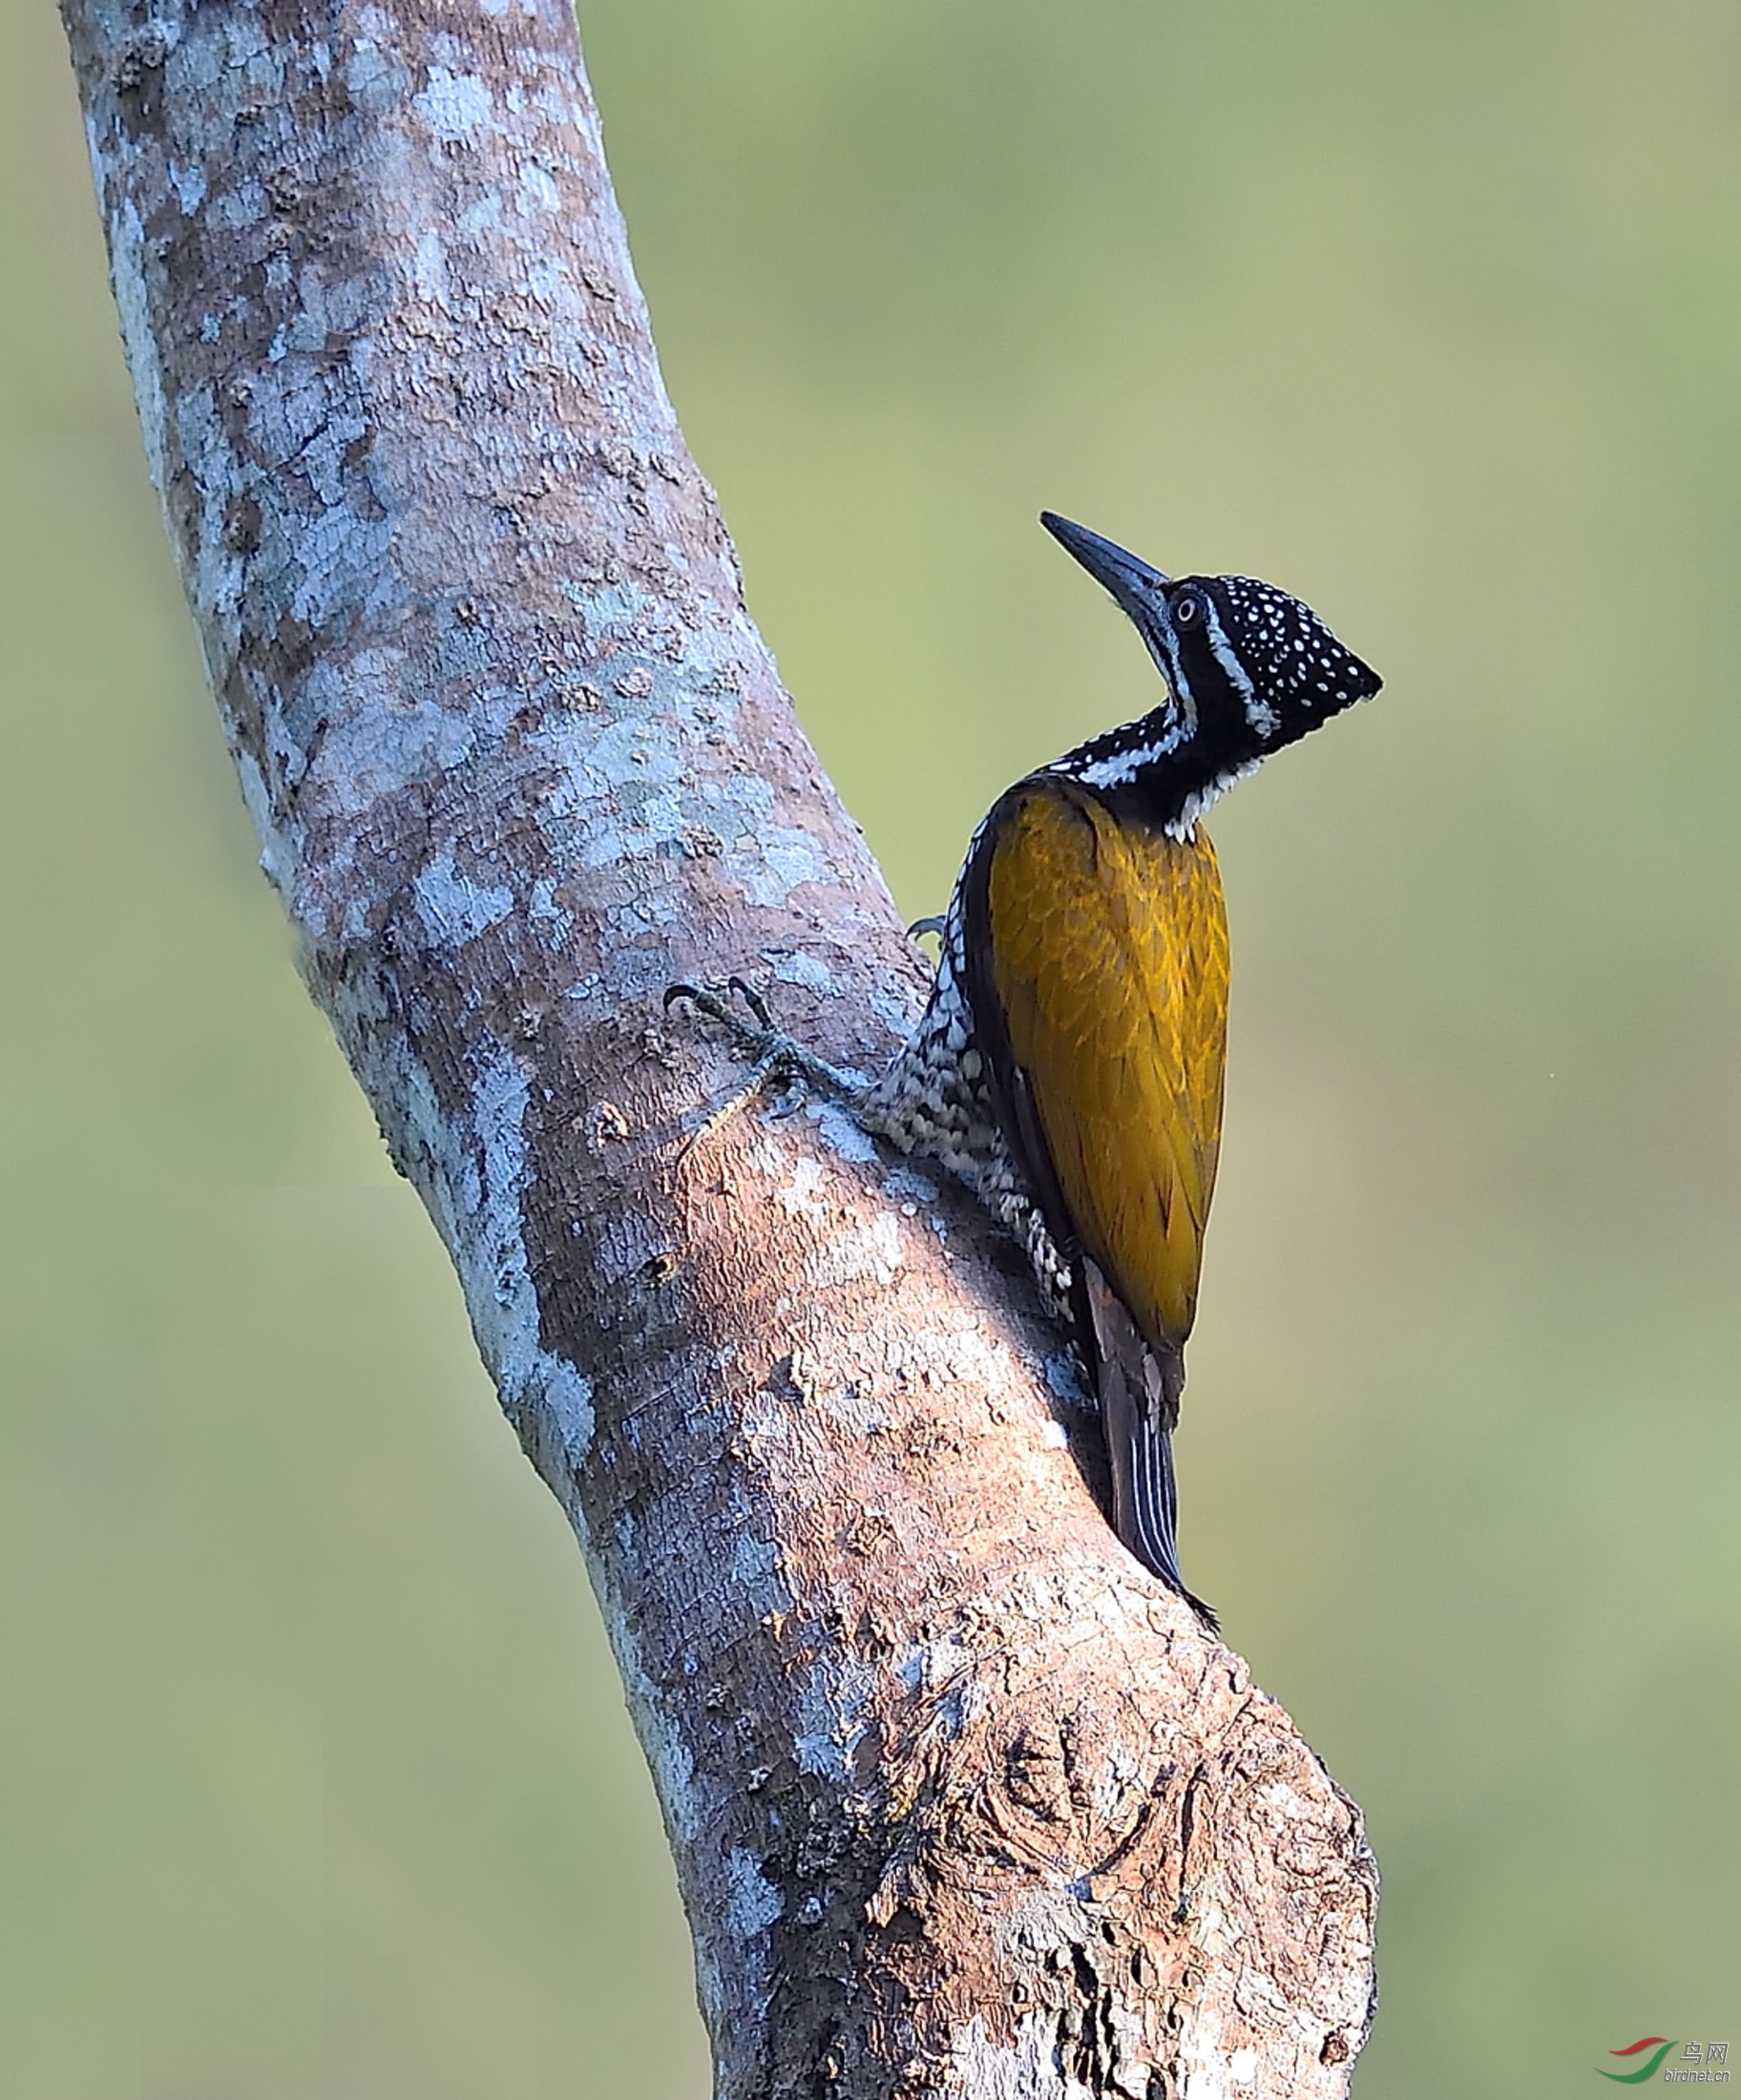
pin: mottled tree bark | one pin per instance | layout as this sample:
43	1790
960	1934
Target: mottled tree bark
960	1799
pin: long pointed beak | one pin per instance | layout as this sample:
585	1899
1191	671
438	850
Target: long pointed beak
1114	567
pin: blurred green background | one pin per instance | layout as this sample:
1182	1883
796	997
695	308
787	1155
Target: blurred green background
316	1779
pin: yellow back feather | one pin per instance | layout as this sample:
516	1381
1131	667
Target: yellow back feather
1109	956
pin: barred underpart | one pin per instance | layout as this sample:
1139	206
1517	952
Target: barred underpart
934	1102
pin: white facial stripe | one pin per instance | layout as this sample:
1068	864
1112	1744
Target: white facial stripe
1264	720
1123	766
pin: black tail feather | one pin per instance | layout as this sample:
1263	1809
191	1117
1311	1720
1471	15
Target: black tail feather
1139	1398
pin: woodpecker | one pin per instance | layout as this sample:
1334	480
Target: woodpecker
1068	1064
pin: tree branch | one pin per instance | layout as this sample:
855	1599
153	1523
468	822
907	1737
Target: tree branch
960	1800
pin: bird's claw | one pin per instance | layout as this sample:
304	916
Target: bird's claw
757	1041
753	1000
773	1055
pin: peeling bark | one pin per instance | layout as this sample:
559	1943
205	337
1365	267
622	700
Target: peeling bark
960	1800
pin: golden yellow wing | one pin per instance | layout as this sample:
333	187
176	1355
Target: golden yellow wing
1108	956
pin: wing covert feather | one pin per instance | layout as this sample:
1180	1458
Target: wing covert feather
1109	960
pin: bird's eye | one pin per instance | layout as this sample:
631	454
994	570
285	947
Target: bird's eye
1187	606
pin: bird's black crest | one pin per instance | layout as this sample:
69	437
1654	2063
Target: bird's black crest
1289	655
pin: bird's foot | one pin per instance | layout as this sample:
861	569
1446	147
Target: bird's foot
773	1055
